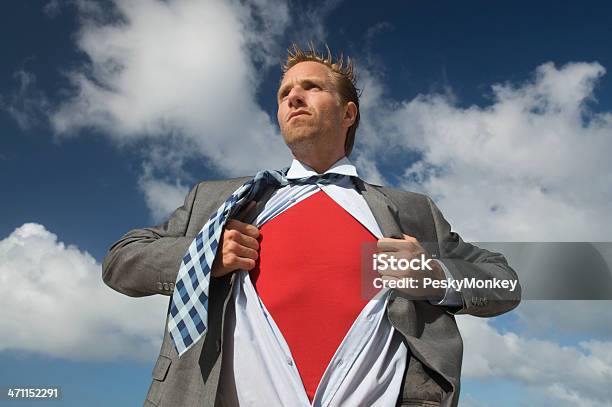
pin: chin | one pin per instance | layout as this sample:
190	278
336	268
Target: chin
297	136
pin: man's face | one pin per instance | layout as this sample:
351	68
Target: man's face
309	110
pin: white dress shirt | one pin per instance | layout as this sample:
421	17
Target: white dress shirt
257	366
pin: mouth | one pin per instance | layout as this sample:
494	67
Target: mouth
298	113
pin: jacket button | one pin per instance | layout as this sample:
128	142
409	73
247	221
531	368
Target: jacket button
160	286
166	287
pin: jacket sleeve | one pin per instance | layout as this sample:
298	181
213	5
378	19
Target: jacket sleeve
466	262
146	261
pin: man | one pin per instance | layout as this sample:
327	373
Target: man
284	319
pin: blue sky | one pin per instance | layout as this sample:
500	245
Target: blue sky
110	112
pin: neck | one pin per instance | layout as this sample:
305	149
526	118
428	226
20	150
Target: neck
320	164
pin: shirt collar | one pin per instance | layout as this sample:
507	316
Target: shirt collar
300	170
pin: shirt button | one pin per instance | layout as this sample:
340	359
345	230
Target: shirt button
340	362
289	362
370	317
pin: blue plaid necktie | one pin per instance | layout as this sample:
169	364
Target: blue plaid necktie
189	306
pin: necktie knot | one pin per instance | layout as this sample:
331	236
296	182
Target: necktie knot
321	179
279	179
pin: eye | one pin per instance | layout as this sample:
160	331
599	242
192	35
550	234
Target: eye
312	86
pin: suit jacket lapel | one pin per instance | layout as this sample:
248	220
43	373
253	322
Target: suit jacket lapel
402	314
384	210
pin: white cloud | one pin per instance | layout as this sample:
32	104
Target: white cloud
52	8
180	67
307	22
26	104
57	305
161	179
583	372
531	166
162	197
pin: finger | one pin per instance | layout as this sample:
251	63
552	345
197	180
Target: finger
387	245
235	262
244	228
248	241
389	239
241	238
247	264
240	250
406	246
396	246
410	238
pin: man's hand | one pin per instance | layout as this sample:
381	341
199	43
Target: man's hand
409	248
238	248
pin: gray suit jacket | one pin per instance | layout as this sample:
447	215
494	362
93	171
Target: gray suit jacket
146	262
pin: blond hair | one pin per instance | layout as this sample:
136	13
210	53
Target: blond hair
342	76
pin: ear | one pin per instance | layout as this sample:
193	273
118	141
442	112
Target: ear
350	114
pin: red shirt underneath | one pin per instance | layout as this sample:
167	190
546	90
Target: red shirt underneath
308	277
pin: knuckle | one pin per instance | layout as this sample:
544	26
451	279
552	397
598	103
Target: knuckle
232	234
253	230
251	254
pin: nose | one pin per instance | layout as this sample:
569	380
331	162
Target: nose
296	97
